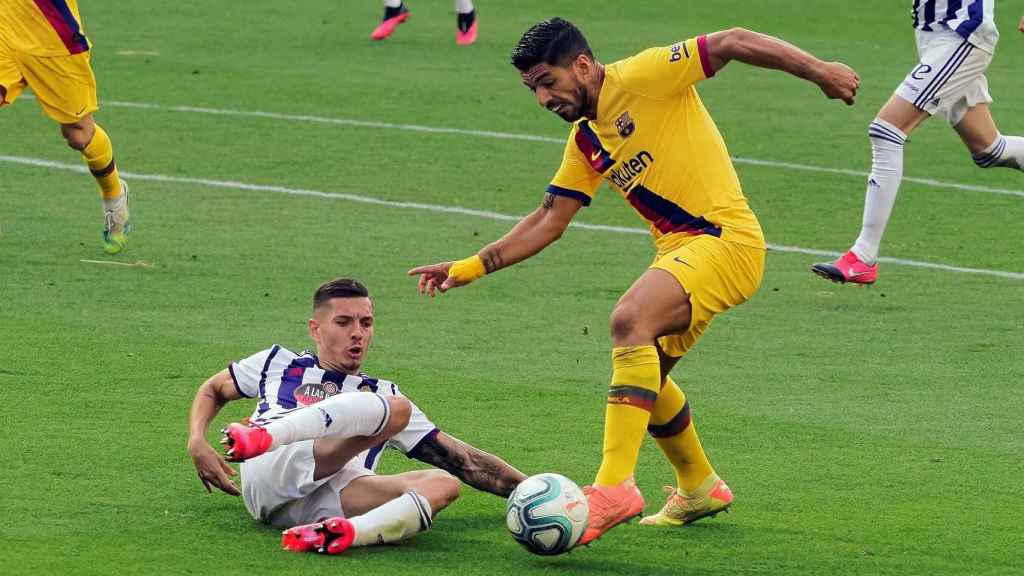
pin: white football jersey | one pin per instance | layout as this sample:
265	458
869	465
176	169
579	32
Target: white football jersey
974	20
282	381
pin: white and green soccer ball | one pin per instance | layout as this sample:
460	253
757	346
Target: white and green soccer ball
547	514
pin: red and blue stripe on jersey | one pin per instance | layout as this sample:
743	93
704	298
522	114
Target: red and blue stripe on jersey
666	216
589	144
64	23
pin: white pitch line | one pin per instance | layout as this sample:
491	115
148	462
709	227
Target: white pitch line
527	137
136	264
465	211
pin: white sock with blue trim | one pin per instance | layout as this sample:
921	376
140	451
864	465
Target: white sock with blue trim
346	415
883	184
1007	151
392	521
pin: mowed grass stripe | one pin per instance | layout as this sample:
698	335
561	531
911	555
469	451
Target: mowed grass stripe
42	163
927	182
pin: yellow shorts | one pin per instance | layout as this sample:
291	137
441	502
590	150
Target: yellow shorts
64	85
717	275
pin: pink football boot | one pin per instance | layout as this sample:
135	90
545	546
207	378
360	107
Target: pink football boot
468	37
387	27
847	268
332	536
243	442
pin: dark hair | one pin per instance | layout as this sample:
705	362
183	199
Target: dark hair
339	288
553	41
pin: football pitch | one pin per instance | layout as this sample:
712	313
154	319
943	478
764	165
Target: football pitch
272	146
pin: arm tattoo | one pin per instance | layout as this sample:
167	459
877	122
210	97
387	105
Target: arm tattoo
549	201
473	466
492	259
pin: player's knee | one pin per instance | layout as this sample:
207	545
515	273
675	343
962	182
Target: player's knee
624	321
448	487
77	137
400	410
451	487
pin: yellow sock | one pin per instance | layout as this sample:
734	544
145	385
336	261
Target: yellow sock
673	429
636	375
99	155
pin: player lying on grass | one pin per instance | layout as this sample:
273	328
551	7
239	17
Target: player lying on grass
317	434
639	125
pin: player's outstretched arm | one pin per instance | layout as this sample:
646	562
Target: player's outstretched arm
473	466
836	80
529	236
217	391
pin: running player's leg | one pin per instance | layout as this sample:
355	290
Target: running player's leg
948	64
673	429
699	492
379	510
887	133
395	12
988	147
654	305
65	88
92	141
718	275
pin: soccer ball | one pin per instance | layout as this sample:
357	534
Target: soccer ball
547	514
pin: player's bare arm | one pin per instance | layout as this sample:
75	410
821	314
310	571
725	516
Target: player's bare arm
836	80
211	467
1021	25
473	466
533	233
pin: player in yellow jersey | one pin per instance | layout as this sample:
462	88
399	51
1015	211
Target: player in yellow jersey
639	125
44	47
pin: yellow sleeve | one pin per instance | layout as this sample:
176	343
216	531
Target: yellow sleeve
575	177
667	70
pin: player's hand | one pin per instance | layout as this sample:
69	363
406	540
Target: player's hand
838	81
1021	27
434	278
212	468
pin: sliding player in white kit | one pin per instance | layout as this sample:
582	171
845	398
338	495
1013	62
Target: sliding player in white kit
312	444
956	40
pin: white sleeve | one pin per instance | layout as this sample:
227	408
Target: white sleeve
248	373
420	428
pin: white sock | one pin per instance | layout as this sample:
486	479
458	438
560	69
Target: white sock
395	520
349	414
392	3
463	6
1006	151
114	204
883	184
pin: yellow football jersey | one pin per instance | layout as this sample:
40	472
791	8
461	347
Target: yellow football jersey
655	143
42	27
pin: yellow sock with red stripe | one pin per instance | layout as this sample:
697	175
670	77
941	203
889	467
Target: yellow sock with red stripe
99	155
636	376
673	429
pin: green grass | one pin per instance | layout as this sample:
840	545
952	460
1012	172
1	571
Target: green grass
864	431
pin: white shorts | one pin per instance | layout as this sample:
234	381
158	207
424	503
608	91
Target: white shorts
278	487
950	79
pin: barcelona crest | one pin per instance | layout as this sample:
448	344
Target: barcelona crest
625	125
